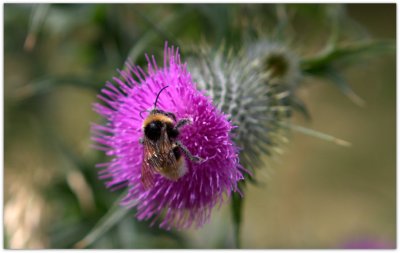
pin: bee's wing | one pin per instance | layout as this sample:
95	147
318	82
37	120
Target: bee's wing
158	157
166	162
166	146
147	176
147	168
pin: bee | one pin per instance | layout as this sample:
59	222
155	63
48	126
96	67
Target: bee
162	151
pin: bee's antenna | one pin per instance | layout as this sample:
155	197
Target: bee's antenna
155	103
140	113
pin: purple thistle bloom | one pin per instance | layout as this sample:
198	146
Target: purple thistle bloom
189	200
368	243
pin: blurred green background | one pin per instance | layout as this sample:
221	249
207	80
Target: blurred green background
316	195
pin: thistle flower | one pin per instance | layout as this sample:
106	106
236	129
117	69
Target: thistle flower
189	200
240	87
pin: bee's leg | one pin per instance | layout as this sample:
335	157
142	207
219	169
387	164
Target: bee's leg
182	122
171	115
141	140
189	155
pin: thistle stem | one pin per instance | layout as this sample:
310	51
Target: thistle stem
237	205
237	235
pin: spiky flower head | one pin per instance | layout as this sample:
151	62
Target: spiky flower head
277	62
189	200
239	86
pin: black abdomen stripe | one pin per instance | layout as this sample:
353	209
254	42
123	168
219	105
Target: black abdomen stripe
177	152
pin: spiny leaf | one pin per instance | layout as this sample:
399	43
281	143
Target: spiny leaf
344	87
45	85
158	29
331	54
151	35
283	24
299	105
323	64
316	134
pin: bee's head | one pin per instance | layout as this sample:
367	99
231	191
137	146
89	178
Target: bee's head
156	121
153	129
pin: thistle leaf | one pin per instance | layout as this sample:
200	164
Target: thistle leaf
42	86
299	105
329	55
316	134
155	31
323	65
344	87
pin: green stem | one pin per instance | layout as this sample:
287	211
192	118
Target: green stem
237	236
237	205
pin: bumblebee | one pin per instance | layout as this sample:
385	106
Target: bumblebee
162	152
